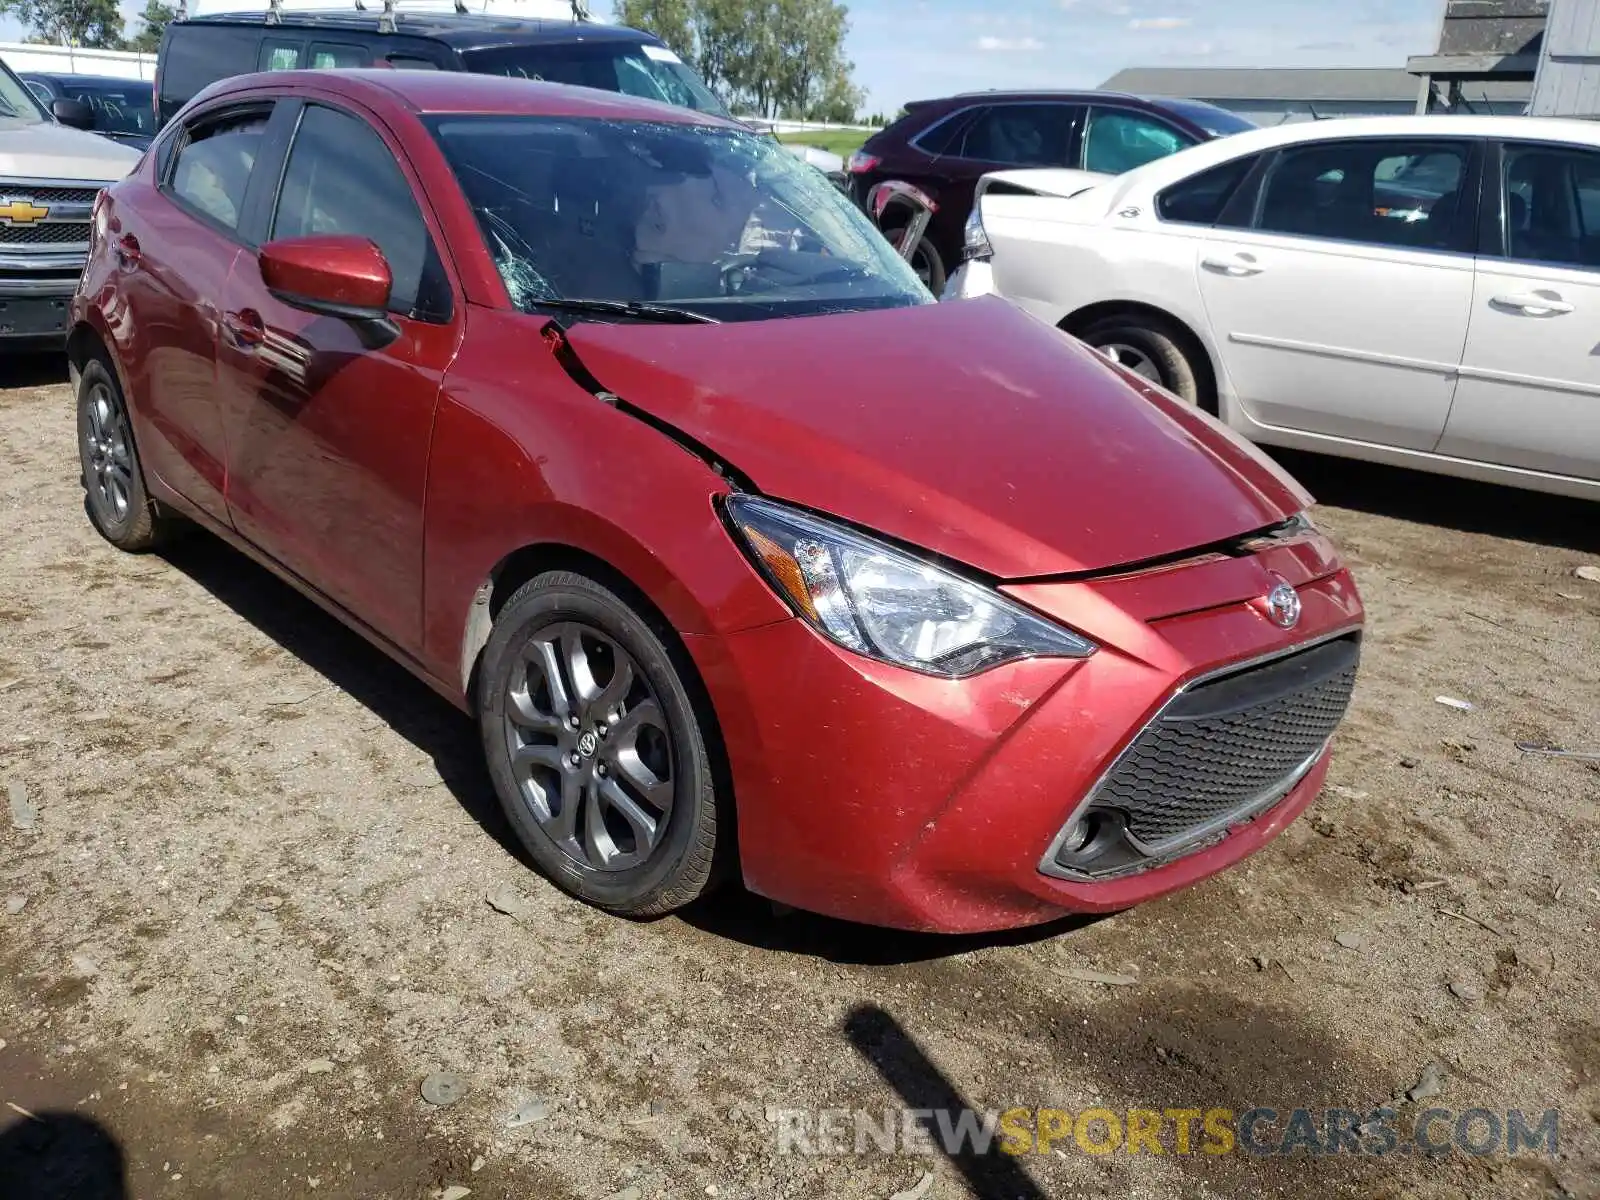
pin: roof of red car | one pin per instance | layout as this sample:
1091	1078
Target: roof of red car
465	92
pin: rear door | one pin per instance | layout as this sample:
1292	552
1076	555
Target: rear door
1529	394
328	432
1340	302
175	251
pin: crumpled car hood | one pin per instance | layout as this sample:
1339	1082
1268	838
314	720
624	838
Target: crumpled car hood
970	429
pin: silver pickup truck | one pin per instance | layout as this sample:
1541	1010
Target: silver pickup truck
49	177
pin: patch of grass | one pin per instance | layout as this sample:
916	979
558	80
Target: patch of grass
837	141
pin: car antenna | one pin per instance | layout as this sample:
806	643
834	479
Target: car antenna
274	13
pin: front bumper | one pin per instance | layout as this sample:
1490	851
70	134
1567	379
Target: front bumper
972	279
874	794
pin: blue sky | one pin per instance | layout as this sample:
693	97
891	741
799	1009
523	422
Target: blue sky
906	49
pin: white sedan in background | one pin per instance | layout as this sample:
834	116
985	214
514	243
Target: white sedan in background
1422	291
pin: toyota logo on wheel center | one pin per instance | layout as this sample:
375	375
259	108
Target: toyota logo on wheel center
587	744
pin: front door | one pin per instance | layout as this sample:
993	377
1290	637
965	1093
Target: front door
174	252
328	430
1342	306
1529	394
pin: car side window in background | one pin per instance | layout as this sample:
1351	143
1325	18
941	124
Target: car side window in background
1119	141
1552	205
410	62
1380	192
214	163
40	91
1201	199
1020	135
341	178
279	55
331	56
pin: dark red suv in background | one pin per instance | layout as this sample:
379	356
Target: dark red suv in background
945	146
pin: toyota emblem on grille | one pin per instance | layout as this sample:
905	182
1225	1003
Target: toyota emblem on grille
1283	606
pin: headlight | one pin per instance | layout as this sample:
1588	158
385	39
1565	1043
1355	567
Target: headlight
886	604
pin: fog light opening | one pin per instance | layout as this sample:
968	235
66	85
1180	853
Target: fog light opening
1096	845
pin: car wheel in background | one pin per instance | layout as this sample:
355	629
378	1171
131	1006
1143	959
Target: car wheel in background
115	498
925	260
596	748
1150	347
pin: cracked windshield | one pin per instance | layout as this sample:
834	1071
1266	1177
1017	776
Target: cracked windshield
715	220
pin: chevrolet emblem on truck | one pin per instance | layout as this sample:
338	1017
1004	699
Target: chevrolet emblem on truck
19	210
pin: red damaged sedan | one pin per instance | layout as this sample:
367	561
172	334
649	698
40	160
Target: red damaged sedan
622	429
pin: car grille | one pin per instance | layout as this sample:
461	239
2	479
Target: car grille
66	233
1225	749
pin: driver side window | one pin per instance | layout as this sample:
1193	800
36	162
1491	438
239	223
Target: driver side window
342	178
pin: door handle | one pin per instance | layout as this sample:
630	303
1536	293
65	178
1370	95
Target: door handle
245	328
1236	268
128	253
1533	304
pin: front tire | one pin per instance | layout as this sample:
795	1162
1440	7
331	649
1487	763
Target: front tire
1152	348
596	749
115	497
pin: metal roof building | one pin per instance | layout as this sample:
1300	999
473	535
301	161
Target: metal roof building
1275	95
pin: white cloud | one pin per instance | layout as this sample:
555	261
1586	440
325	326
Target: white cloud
1159	23
1001	45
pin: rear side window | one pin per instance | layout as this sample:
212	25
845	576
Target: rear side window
195	55
1119	141
213	164
342	178
1020	135
1200	199
331	56
279	55
944	137
1379	192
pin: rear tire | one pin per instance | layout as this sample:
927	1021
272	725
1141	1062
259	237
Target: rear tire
115	497
1150	347
926	260
596	749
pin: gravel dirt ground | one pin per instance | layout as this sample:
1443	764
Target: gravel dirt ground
243	916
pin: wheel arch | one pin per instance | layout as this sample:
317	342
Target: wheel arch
1199	351
528	562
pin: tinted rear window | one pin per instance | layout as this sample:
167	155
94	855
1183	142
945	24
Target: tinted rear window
633	68
195	56
1218	122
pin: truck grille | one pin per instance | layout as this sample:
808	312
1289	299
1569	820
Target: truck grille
49	195
68	233
1221	751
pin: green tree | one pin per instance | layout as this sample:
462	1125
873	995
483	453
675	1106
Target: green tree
670	20
94	23
153	22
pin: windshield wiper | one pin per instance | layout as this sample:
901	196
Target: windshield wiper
663	313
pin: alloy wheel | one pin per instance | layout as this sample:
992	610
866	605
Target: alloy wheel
590	749
107	453
1134	359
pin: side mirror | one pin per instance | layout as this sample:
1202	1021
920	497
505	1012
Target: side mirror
335	275
75	113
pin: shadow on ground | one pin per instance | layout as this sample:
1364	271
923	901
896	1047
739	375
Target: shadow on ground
345	659
1446	502
33	370
61	1156
751	920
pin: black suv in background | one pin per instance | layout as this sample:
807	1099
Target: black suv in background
201	50
945	146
